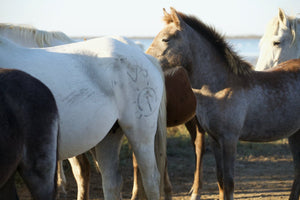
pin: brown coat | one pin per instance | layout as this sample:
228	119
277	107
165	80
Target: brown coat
181	101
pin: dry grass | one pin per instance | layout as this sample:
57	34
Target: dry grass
263	171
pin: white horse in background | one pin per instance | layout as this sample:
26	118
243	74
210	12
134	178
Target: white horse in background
97	83
281	41
28	36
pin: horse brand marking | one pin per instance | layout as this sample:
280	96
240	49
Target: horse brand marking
133	73
146	98
146	101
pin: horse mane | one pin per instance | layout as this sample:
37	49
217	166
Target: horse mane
41	37
293	21
234	63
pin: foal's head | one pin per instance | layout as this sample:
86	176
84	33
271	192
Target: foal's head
172	44
186	41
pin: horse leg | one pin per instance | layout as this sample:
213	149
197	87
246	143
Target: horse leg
8	190
219	165
197	136
228	148
145	156
294	142
38	167
107	156
39	173
81	170
61	178
138	191
167	183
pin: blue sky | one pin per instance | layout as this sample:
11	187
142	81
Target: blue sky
141	17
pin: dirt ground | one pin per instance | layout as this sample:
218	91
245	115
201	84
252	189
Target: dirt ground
263	171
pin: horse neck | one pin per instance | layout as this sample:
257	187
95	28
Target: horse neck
208	67
28	37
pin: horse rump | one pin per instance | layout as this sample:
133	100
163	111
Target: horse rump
28	137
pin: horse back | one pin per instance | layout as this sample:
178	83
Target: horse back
292	65
273	106
280	77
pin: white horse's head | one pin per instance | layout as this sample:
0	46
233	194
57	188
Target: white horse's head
280	42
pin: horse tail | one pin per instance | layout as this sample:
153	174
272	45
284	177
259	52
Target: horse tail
161	141
56	181
161	133
61	181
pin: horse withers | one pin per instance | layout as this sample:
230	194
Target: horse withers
234	102
29	126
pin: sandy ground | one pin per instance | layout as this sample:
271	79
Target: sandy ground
263	171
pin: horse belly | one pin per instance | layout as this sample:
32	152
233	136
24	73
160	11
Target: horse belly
84	125
270	127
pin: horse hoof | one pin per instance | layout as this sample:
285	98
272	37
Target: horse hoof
168	196
195	197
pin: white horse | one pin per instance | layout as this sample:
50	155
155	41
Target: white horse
29	36
281	41
97	83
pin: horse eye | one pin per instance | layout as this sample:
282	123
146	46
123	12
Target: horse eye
165	40
276	43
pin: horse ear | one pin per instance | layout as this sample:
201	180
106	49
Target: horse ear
177	19
166	14
167	17
283	20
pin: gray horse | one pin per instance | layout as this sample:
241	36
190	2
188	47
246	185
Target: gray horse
234	102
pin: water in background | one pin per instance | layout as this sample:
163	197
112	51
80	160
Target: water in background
247	48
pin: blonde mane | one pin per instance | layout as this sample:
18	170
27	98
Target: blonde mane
294	22
42	38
